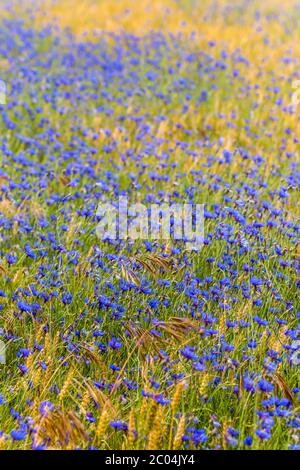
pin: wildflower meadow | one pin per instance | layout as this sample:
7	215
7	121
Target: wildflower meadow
117	330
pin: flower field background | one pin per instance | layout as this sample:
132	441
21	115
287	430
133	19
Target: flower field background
120	345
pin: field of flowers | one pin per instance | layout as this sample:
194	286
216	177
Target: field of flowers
114	344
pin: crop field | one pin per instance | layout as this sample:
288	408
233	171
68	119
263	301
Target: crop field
139	342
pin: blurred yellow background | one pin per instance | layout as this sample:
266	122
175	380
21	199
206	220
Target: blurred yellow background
243	23
232	20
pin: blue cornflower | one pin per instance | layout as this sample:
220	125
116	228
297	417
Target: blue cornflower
11	259
19	434
265	386
248	441
153	303
263	434
119	425
24	306
227	156
115	343
46	407
67	298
